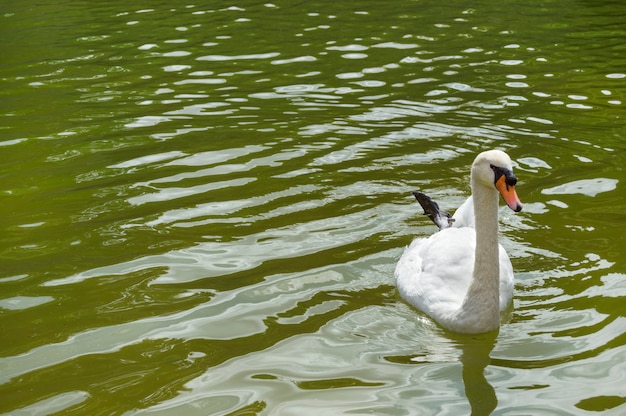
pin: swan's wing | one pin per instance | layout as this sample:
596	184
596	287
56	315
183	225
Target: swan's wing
441	218
464	215
433	274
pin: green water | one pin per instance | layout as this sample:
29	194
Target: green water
202	205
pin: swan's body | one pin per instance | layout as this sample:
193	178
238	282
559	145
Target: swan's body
460	276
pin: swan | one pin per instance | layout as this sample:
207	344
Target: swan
460	276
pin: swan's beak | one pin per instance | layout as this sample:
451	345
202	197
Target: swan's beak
508	193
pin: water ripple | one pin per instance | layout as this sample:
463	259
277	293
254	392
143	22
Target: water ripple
205	206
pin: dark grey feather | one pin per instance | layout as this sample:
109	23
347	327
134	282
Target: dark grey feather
442	219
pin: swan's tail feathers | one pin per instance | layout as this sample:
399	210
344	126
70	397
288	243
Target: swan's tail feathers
442	219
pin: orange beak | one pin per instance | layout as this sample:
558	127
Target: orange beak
508	193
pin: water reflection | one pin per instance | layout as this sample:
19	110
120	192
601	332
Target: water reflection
203	206
473	352
475	358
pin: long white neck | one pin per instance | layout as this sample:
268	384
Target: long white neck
481	306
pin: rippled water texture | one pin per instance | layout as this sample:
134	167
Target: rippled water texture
202	206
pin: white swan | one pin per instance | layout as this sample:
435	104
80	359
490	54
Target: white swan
460	276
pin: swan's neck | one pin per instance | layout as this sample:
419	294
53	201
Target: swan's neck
482	301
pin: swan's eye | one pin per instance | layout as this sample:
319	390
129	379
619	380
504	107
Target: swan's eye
509	176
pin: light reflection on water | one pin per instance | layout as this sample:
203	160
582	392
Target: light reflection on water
205	207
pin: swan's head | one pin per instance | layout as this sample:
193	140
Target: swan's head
494	168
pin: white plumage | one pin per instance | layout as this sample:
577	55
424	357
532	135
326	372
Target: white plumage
460	276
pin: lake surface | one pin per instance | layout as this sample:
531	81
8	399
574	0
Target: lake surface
202	205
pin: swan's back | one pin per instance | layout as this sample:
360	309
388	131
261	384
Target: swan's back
434	273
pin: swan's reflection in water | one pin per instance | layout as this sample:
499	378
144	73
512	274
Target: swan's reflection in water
475	357
473	351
